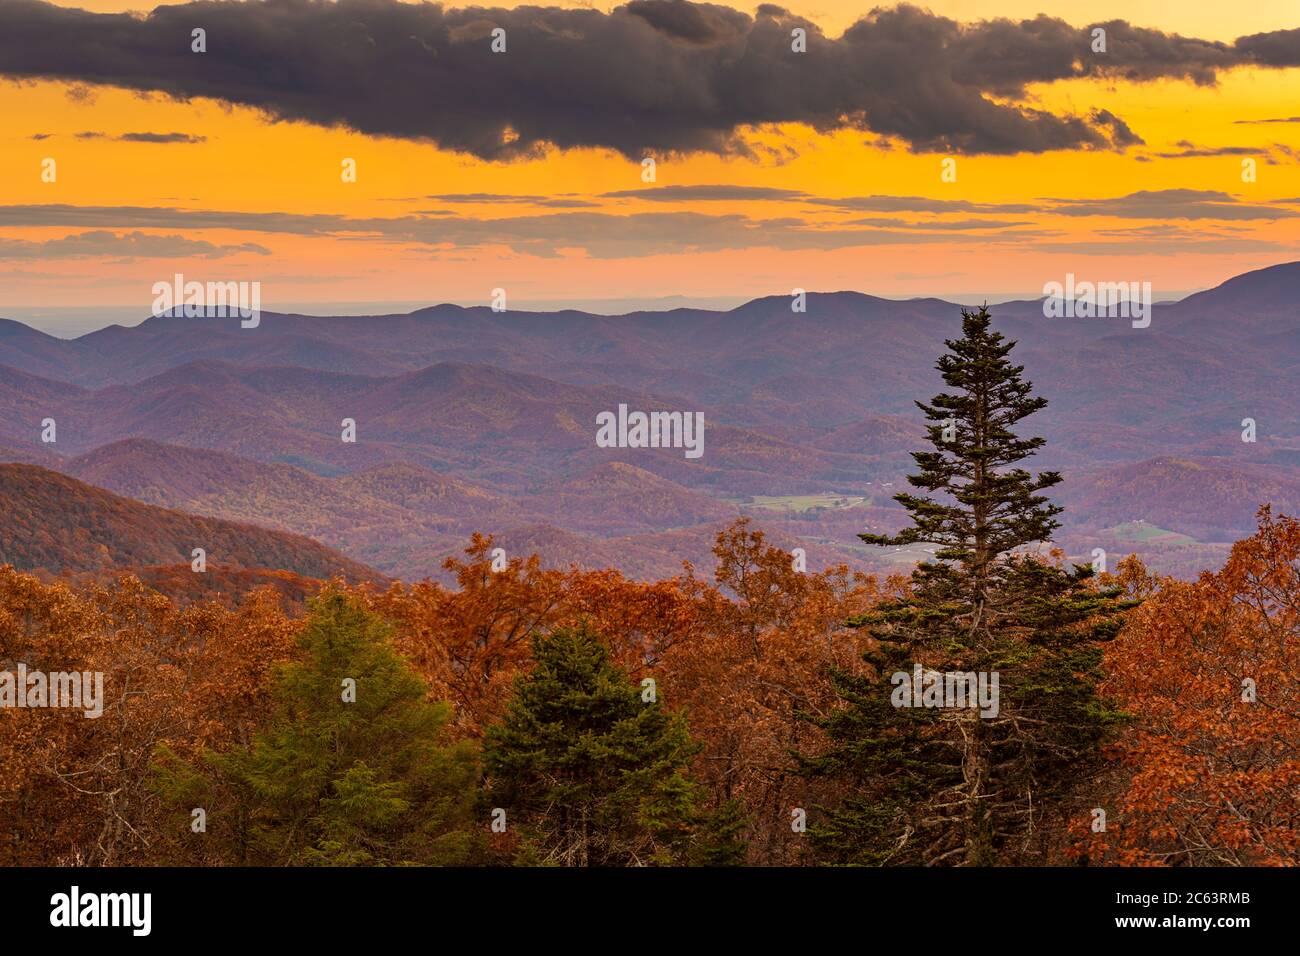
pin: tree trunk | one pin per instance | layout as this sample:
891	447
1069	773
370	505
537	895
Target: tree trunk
975	771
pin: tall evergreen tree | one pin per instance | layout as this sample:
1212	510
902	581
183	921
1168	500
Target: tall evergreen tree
953	784
353	767
594	774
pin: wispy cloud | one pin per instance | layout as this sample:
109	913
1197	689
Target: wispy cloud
600	235
506	199
706	193
134	137
919	204
607	234
131	245
1169	204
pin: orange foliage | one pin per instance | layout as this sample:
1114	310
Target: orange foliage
1214	776
1201	776
759	662
75	789
745	657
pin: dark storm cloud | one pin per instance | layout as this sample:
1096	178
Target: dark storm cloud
1279	48
694	22
652	75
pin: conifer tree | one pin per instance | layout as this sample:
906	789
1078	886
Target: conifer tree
593	773
944	784
352	768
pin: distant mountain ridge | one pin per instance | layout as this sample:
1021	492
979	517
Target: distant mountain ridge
467	419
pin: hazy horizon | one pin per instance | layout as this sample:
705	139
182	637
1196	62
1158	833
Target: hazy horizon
70	323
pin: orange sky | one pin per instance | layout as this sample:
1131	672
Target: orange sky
246	164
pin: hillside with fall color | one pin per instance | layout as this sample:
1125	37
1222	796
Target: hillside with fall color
1196	775
52	522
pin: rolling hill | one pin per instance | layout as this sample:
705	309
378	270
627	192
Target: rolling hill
53	522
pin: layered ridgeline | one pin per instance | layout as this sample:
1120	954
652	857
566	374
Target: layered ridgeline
469	420
55	523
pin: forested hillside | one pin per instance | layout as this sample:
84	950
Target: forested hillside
53	522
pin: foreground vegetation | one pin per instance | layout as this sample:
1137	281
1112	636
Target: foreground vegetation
570	717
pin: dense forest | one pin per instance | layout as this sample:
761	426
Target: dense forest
539	716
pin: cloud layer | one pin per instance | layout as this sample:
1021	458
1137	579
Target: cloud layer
654	75
606	235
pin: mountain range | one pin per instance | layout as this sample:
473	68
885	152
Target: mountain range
472	420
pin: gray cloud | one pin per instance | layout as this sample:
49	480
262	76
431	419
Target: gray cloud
505	199
136	137
1272	155
942	225
160	138
1189	150
163	217
608	235
1280	48
705	193
652	75
601	235
919	204
131	245
1169	204
1120	131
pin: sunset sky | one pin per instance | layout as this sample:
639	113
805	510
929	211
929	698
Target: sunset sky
775	170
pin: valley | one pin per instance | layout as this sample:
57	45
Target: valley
471	421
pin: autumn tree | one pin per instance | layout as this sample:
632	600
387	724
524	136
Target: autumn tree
468	643
591	768
77	789
45	818
1211	761
943	784
352	768
750	672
